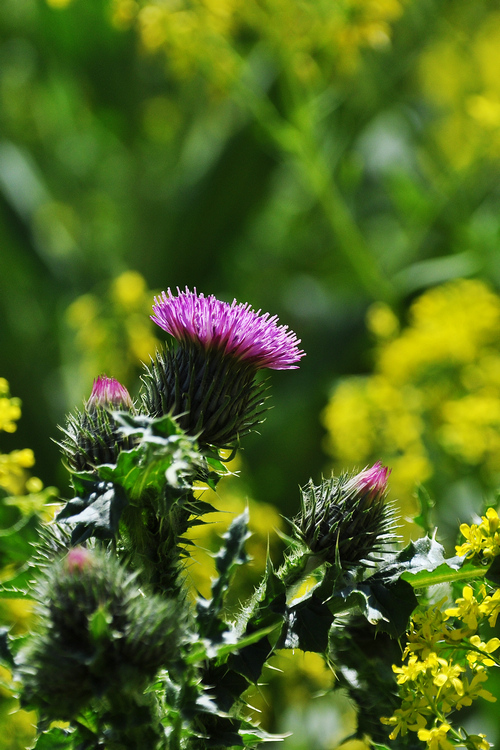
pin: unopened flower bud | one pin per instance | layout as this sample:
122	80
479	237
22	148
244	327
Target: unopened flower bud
110	394
98	633
78	559
345	519
370	485
91	437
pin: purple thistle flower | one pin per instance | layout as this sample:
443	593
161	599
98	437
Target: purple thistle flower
108	392
235	330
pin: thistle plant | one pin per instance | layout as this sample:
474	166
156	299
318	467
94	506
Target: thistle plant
124	654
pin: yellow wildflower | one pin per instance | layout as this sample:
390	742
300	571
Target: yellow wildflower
446	675
474	689
411	671
408	717
436	737
10	408
481	650
426	630
478	742
466	609
483	540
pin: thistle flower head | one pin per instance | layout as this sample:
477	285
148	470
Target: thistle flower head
91	436
206	375
235	329
345	519
108	392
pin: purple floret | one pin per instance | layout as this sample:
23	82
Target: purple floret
371	482
235	329
108	392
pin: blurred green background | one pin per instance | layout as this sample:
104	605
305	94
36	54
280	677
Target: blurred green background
335	163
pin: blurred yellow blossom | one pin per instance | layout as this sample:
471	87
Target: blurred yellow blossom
26	498
13	476
10	408
461	81
381	320
311	40
434	396
113	332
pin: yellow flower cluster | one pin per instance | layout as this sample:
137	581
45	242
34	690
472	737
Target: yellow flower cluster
444	669
483	540
458	75
14	478
114	334
435	391
24	493
310	39
10	408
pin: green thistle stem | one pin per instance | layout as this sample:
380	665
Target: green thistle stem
155	542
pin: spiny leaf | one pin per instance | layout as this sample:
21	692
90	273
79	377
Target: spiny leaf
451	571
97	514
307	626
425	554
387	605
230	555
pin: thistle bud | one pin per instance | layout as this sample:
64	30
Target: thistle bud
345	519
78	559
206	375
109	394
91	437
98	633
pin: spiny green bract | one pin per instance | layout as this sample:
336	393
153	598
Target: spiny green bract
91	438
214	398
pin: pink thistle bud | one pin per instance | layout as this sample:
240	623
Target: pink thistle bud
108	392
346	519
91	437
234	330
370	484
78	559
